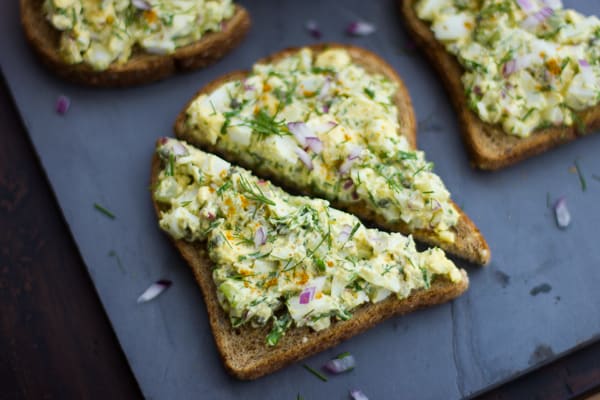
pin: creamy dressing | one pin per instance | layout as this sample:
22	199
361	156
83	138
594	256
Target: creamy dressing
101	32
325	123
528	64
280	259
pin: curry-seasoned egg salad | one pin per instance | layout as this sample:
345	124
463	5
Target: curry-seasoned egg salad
528	64
324	122
280	259
101	32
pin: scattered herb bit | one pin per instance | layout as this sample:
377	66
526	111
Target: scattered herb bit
353	231
407	155
279	327
226	186
154	290
114	254
265	125
63	103
369	93
171	166
185	203
253	192
104	211
315	373
581	177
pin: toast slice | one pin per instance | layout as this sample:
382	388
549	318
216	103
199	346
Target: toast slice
244	351
142	67
469	243
489	146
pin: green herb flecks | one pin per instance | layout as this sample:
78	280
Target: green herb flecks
104	211
253	192
581	177
171	165
279	327
406	155
266	125
226	186
114	254
315	373
369	93
426	276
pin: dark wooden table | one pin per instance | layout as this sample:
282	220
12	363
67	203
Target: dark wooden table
56	342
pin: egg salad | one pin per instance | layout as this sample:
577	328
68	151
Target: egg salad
528	64
102	32
326	124
280	259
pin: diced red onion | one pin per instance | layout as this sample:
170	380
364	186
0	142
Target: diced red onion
355	152
339	365
348	184
154	290
261	181
248	87
526	5
355	196
537	18
260	237
583	63
179	149
345	233
313	29
163	140
210	216
351	159
358	394
307	295
563	217
435	205
63	103
509	68
141	4
304	157
360	28
315	144
300	131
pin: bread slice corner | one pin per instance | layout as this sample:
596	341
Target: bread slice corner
469	245
142	67
489	146
244	352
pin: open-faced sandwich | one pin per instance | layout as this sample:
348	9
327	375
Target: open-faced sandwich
336	122
524	75
130	42
284	276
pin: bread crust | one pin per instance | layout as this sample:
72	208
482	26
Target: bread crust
469	244
489	146
244	351
142	67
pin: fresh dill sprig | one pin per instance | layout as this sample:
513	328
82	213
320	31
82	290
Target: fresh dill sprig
266	125
253	192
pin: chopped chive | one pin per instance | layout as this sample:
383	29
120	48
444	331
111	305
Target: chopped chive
171	167
354	229
104	211
315	373
223	188
369	93
185	203
581	177
114	254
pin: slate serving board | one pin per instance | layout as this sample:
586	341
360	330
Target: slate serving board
537	300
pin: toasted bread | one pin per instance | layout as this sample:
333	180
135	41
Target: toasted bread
469	244
490	147
244	351
141	67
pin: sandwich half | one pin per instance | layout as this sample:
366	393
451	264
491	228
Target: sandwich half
130	42
333	121
283	276
523	75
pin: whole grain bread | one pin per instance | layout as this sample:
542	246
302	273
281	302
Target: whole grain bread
244	351
141	67
490	147
469	244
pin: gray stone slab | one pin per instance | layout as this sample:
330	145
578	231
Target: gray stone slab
100	152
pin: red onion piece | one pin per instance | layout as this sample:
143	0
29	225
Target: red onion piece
583	63
348	184
304	157
141	4
358	394
63	103
535	19
435	205
324	92
345	233
260	237
325	109
509	68
313	29
307	295
563	216
163	140
154	290
351	159
300	131
360	28
526	5
315	144
339	365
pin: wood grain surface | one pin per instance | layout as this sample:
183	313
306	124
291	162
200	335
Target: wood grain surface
55	339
